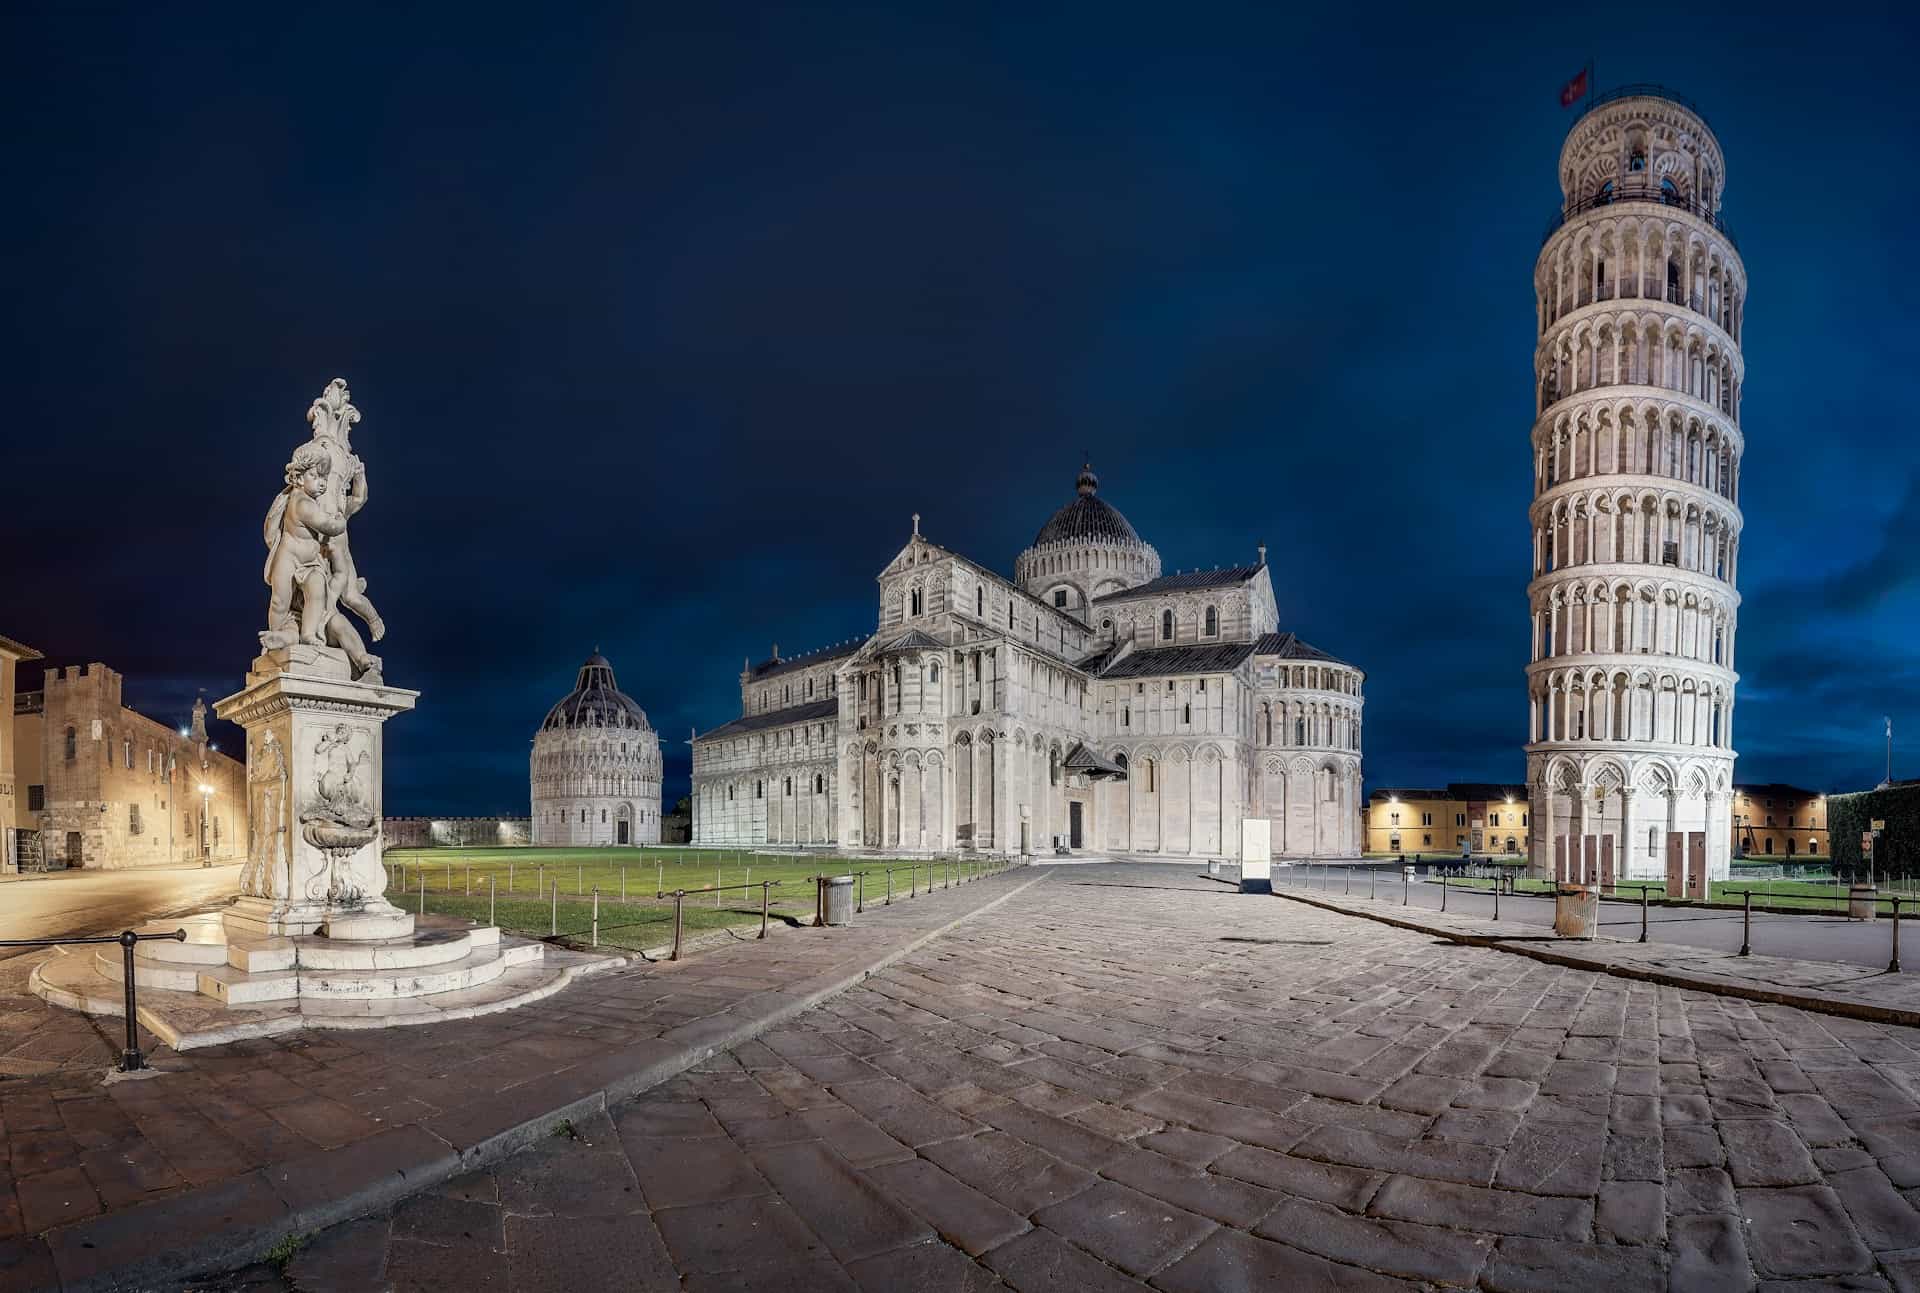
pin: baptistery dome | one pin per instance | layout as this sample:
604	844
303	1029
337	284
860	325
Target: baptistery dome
595	768
1085	550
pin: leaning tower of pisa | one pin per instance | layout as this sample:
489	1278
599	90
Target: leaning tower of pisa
1636	519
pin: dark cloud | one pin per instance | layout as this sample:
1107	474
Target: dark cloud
664	319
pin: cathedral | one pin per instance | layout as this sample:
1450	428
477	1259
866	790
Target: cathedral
1091	702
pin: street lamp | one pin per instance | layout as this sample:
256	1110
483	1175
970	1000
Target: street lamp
206	812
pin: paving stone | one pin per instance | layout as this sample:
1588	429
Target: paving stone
924	1268
1183	1144
1062	1139
1342	1186
1422	1093
962	1215
1551	1154
1222	1198
1441	1160
1042	1262
342	1259
1235	1122
1693	1147
1124	1227
1763	1152
1395	1247
1880	1213
437	1219
571	1254
1230	1261
1708	1252
759	1235
902	1112
1801	1231
677	1172
415	1267
1631	1212
1010	1171
1538	1266
1469	1207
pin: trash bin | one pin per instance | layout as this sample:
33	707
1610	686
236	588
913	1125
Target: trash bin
1863	900
1576	910
837	895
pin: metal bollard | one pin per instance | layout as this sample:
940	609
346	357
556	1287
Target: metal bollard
423	892
540	879
579	879
1893	966
889	901
1347	879
509	877
449	877
859	892
1371	876
913	879
469	879
1496	897
678	896
1405	885
131	1060
764	886
491	918
596	915
1746	922
1643	913
554	916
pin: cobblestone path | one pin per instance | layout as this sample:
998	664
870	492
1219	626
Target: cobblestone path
1128	1076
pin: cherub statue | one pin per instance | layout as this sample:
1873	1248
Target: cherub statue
309	566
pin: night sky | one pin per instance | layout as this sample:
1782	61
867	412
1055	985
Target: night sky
664	321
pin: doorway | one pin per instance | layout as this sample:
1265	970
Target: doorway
1073	823
74	850
622	831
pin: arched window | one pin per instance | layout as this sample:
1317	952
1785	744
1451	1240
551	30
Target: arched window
1186	713
1637	162
1053	768
1213	621
819	784
933	671
759	789
1299	731
70	750
980	603
916	601
1166	626
1667	192
1153	775
1606	191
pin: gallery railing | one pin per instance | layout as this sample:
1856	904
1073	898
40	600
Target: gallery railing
131	1060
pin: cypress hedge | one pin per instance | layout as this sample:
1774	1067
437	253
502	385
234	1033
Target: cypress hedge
1897	852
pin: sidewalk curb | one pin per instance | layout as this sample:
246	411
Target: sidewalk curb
1665	978
243	1219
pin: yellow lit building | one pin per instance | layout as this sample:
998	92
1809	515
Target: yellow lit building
1776	820
1489	818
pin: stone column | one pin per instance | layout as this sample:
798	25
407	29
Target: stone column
314	778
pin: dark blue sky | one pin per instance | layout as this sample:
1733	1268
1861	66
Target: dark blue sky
664	321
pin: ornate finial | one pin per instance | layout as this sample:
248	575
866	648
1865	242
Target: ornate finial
1263	554
916	525
333	413
1087	482
776	652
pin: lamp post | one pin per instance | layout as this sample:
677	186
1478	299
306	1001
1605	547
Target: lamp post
206	813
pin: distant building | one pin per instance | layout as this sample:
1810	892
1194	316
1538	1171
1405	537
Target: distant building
108	787
14	817
595	769
1489	818
455	832
1776	820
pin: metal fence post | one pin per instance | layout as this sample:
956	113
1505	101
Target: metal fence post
1893	966
623	882
1643	912
1406	886
596	915
913	879
764	886
509	877
1372	875
491	918
859	892
889	901
678	896
131	1059
423	892
579	879
1443	891
554	916
1746	922
1347	878
449	877
1496	897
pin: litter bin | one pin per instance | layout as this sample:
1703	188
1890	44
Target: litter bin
836	899
1863	900
1576	910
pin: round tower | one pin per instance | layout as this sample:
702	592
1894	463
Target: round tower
1641	298
1085	550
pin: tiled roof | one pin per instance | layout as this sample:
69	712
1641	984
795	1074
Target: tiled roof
811	712
913	640
775	665
1088	516
1155	662
1289	647
1225	577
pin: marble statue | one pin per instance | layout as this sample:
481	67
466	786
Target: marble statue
310	568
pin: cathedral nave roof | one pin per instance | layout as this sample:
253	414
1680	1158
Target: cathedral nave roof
1226	577
811	712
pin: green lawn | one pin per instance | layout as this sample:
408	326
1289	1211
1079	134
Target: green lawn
524	881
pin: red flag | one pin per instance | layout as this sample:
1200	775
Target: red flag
1575	90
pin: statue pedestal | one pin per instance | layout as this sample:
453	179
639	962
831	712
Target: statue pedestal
314	798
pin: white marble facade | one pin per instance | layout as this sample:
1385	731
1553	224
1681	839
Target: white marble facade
1093	700
1637	452
595	768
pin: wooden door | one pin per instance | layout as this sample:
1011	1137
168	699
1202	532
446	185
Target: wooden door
1697	865
1073	824
1676	865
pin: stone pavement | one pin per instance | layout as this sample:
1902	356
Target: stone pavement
232	1148
1821	986
1128	1077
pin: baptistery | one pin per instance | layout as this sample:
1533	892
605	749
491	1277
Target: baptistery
596	766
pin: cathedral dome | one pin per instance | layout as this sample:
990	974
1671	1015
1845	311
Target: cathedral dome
1087	517
596	701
